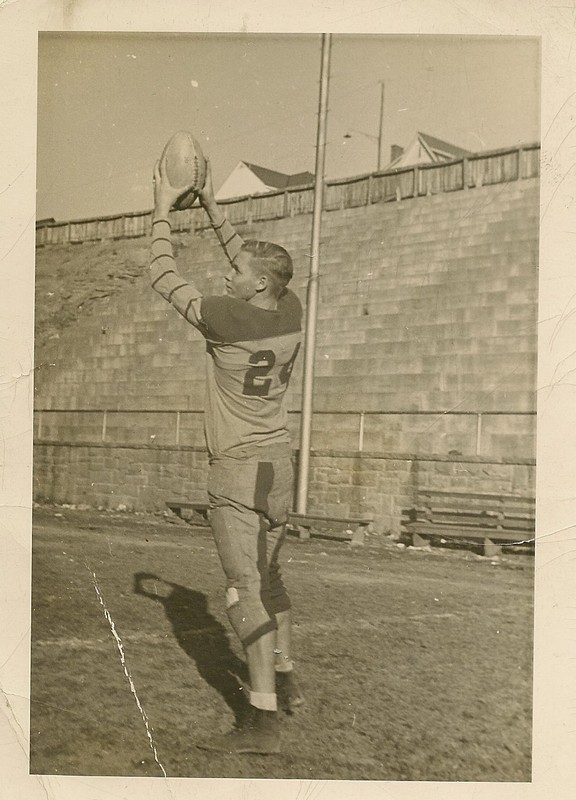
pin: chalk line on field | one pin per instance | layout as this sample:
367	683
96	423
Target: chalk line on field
127	673
76	643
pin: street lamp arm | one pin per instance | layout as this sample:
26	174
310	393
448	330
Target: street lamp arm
350	131
378	139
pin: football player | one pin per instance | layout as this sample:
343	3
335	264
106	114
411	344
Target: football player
253	335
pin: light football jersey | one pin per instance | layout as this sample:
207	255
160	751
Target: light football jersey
250	356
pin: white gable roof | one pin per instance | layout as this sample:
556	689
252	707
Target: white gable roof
240	182
425	149
248	178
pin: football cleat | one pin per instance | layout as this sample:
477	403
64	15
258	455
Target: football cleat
259	734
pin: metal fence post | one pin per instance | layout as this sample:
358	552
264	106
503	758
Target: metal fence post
476	449
361	432
478	434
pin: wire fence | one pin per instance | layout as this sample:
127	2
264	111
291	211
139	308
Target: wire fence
480	169
360	431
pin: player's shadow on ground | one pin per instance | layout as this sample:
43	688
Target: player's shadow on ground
201	637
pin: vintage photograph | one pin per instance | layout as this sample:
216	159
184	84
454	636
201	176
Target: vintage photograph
286	305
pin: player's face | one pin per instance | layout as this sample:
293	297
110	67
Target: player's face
241	281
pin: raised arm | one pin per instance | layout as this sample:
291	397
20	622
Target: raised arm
230	240
165	278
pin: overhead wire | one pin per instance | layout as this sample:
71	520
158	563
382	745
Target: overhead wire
218	142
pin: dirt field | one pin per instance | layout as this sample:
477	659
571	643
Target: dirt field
416	665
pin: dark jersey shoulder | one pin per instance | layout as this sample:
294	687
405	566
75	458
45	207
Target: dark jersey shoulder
227	319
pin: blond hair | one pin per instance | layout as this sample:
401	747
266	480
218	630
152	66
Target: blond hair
274	261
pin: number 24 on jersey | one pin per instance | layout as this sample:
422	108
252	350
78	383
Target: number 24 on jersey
258	379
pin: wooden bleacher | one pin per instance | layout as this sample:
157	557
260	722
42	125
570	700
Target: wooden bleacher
492	519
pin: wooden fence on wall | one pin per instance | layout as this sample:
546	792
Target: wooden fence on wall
480	169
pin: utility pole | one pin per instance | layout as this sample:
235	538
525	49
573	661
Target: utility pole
381	126
377	139
313	284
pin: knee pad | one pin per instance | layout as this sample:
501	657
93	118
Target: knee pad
247	614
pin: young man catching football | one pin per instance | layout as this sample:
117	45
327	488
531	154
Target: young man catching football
253	335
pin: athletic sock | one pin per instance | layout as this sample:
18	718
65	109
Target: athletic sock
265	701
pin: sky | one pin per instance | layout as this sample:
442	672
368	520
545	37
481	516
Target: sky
107	104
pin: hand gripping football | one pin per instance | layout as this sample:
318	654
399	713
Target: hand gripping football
184	164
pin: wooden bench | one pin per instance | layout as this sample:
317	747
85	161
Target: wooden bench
197	513
494	519
303	523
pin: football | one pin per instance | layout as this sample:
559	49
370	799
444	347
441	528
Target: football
184	164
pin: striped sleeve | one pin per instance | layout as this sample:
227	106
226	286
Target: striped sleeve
165	278
230	240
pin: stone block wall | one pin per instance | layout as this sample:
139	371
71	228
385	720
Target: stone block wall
341	483
427	305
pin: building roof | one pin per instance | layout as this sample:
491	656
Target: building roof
425	149
433	143
279	180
